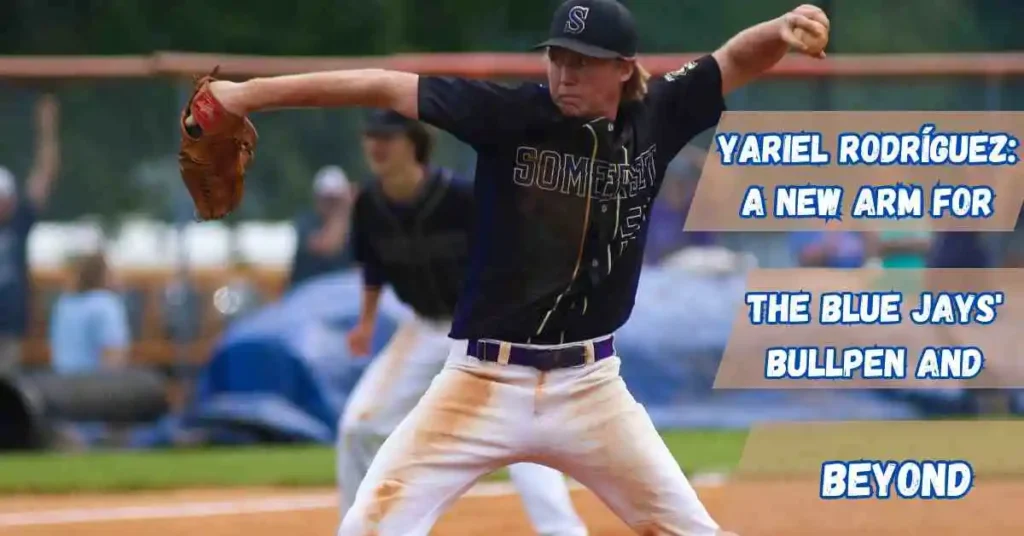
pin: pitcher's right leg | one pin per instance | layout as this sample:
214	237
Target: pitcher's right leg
464	427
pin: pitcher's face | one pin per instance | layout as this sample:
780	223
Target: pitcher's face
582	86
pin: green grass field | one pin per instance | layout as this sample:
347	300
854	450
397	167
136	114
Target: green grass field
259	466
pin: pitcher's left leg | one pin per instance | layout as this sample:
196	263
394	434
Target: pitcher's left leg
600	436
546	500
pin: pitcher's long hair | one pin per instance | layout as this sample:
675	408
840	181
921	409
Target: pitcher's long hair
635	88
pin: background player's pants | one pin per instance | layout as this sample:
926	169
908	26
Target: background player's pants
478	416
388	391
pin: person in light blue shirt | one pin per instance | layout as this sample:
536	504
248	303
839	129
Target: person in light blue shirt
89	326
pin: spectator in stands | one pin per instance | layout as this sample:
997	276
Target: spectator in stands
665	234
829	249
18	214
323	234
89	326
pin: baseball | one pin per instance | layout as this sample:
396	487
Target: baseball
815	42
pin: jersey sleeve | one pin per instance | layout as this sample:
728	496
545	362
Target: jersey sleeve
362	248
687	101
474	111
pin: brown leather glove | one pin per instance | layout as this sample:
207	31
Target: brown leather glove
216	149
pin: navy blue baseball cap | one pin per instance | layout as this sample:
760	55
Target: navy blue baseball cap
387	123
595	28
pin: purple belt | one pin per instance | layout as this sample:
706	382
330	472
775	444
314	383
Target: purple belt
543	359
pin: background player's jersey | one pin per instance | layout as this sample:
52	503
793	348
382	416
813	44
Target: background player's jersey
421	248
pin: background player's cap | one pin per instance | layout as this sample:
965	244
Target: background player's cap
331	181
7	185
391	123
595	28
387	122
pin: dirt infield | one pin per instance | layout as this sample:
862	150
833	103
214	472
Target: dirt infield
788	508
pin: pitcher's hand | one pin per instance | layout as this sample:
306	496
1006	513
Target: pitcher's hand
806	30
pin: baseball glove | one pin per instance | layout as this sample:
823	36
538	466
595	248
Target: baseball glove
216	149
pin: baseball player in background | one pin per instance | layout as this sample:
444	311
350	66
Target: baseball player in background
565	176
411	231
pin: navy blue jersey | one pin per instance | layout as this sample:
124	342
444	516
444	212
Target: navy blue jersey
563	203
15	282
420	249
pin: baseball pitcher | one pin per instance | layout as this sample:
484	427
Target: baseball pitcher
411	230
566	173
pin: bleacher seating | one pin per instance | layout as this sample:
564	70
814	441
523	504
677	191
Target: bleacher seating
144	289
145	255
143	243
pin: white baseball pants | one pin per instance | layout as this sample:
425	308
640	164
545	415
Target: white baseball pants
478	416
389	389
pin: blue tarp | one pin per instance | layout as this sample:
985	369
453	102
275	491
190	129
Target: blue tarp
284	373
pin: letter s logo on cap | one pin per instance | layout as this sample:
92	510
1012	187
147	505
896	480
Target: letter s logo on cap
577	20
